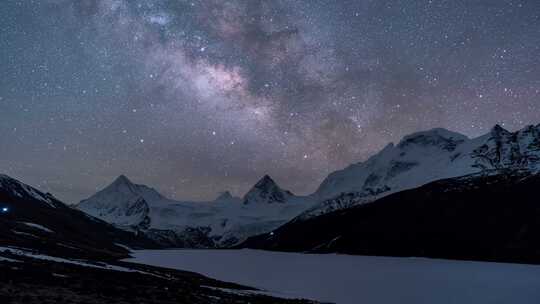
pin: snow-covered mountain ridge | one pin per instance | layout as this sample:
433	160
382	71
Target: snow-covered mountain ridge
22	190
416	160
33	219
424	157
224	221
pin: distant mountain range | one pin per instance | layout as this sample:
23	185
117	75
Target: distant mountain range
435	194
225	221
422	172
424	157
418	159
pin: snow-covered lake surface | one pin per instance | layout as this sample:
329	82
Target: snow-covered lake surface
346	279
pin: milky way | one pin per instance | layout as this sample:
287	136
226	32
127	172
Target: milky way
196	97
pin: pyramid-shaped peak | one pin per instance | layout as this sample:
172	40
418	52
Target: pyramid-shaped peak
266	190
122	183
122	179
266	180
122	192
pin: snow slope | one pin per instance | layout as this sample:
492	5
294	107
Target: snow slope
424	157
345	279
23	191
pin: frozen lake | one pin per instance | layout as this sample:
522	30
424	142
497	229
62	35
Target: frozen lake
347	279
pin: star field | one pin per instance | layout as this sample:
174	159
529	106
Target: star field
196	97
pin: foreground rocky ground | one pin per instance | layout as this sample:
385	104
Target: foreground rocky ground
28	280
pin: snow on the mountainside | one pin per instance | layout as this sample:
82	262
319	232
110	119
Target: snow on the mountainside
37	226
416	157
120	191
21	190
265	207
229	219
346	279
101	265
122	203
424	157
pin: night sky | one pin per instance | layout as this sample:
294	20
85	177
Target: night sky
196	97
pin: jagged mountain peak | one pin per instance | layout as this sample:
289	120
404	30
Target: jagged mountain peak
426	156
19	189
266	190
122	202
265	181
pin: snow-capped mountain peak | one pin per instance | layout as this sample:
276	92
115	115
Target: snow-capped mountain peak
424	157
438	138
122	179
223	221
122	184
122	202
266	191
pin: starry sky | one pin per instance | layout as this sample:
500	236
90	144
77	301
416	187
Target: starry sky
196	97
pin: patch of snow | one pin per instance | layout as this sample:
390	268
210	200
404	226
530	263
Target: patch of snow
4	259
100	265
347	279
37	226
123	246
